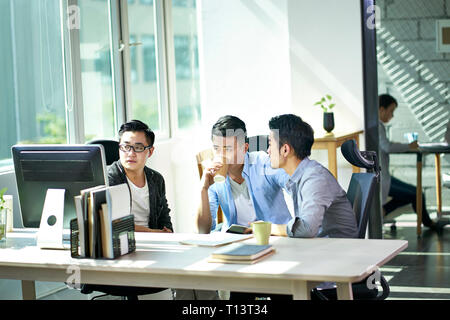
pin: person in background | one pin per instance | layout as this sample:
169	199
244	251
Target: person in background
401	193
321	206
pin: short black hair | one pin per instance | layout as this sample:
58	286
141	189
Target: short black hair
292	130
138	126
229	126
385	100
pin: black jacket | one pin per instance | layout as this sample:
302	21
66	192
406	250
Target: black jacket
159	210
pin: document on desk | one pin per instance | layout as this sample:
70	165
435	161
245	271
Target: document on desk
215	239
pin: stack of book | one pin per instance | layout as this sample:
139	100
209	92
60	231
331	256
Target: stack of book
104	227
241	253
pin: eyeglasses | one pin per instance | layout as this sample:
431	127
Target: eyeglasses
136	148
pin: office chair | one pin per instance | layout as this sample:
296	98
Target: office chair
111	149
361	191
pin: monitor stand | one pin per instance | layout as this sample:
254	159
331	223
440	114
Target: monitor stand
50	234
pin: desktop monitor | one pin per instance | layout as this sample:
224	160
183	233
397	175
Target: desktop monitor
42	167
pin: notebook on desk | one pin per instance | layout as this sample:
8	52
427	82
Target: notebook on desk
215	239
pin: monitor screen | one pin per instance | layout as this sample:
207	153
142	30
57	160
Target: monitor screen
42	167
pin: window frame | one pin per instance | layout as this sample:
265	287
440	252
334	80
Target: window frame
164	133
121	70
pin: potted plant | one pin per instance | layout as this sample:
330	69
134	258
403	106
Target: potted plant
327	105
3	215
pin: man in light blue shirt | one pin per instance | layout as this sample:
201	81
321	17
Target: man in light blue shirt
321	206
251	191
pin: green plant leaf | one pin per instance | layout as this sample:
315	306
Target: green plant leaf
2	201
324	109
329	97
323	99
317	103
331	106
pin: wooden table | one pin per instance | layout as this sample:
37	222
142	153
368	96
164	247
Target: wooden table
331	143
428	148
297	266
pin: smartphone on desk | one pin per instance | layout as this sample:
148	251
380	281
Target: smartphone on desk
236	228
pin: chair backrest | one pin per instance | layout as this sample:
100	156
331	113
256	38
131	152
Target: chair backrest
362	186
111	149
203	156
360	193
258	143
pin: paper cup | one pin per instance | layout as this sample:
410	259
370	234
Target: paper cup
221	174
261	231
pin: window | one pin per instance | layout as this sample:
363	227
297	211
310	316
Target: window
144	95
133	58
147	2
96	70
186	63
32	99
186	57
184	3
43	66
149	57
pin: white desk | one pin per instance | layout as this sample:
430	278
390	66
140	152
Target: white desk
160	261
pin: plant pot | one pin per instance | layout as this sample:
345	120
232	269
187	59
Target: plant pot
328	121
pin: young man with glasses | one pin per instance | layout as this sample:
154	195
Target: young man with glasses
148	195
147	188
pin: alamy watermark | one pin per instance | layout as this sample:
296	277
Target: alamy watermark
374	20
74	279
373	280
73	17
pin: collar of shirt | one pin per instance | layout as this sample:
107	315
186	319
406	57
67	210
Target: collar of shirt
298	173
246	163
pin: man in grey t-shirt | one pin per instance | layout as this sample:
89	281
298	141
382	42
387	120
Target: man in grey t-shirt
321	206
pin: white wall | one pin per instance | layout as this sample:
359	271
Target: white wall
326	58
244	61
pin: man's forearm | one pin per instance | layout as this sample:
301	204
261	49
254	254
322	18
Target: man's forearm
204	220
279	230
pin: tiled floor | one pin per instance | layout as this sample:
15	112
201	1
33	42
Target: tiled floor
422	271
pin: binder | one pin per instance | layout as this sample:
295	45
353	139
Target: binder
81	224
123	238
107	222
